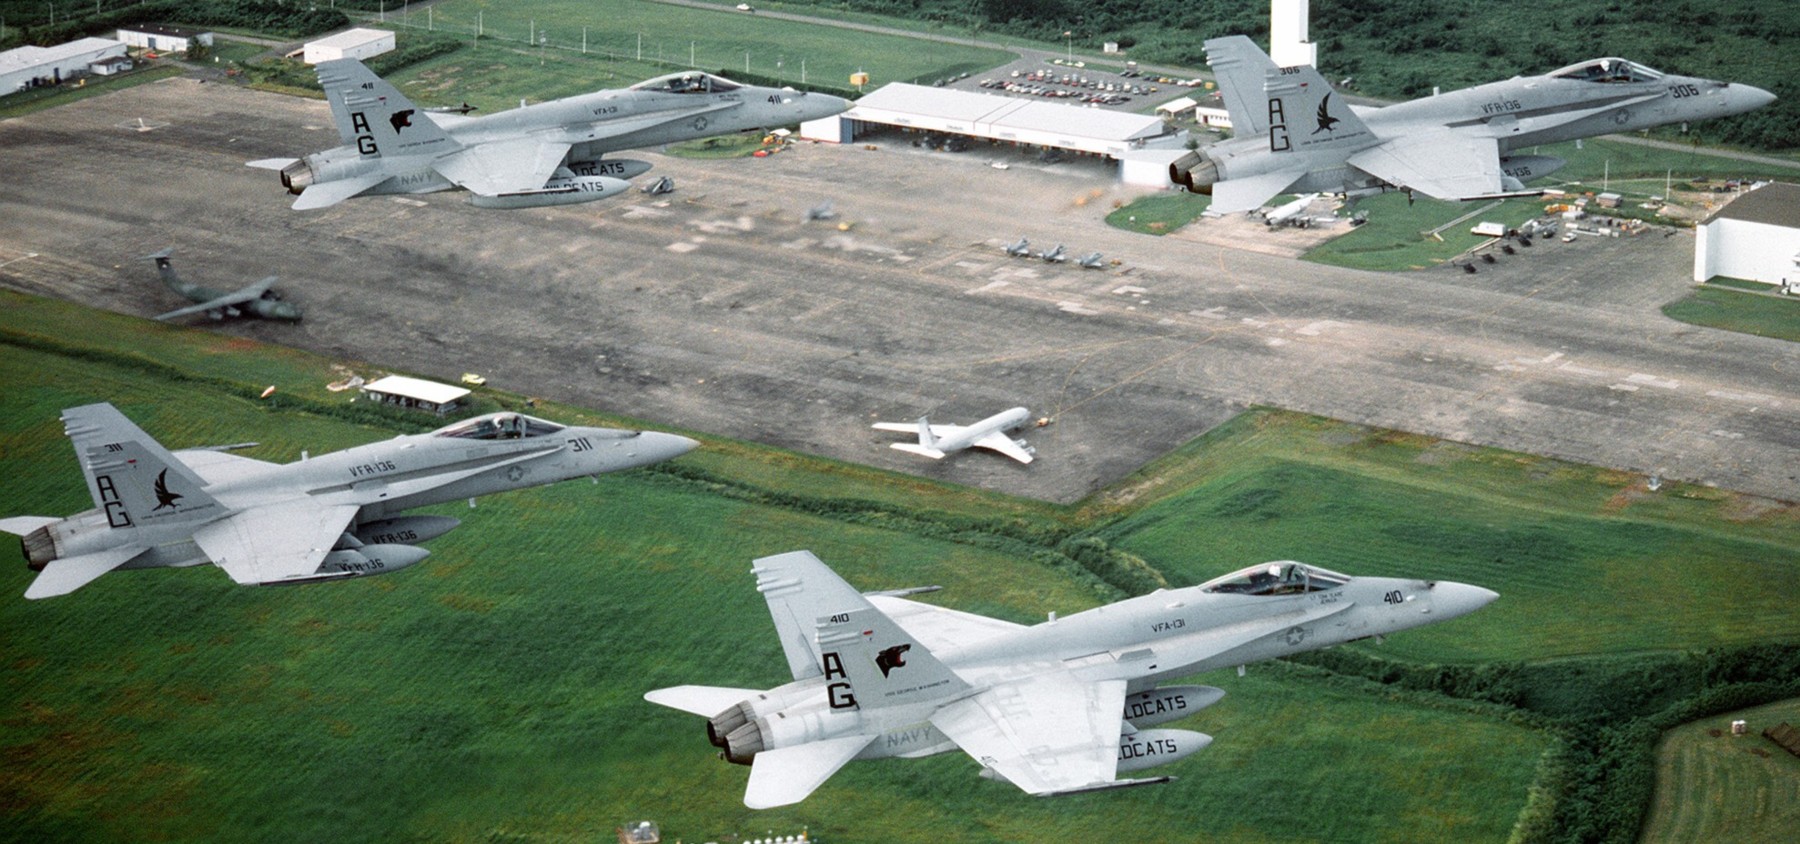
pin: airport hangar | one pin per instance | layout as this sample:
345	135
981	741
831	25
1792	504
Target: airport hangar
1755	237
1142	145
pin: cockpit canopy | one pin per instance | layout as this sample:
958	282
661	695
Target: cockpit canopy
687	82
1282	578
500	426
1608	70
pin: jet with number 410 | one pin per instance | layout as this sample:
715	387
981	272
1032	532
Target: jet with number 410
1060	707
544	154
1296	135
329	517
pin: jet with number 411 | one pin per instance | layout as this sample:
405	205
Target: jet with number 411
1296	135
545	154
1060	707
330	517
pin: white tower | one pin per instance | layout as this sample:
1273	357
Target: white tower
1287	34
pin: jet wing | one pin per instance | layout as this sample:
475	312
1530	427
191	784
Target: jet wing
939	431
324	194
68	574
218	467
236	297
1443	164
1251	192
509	166
940	628
1045	734
1001	442
275	543
786	775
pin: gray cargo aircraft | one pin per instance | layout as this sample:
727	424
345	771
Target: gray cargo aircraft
1296	135
1054	708
544	154
325	518
256	299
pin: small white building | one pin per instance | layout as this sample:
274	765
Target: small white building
22	67
416	393
1216	118
111	65
1755	237
350	44
1177	109
164	38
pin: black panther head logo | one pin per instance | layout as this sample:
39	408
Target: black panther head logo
1327	123
165	498
401	119
892	658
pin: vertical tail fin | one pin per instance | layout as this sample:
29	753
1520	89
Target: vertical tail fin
166	270
132	478
870	663
1240	67
927	440
800	589
374	116
1306	115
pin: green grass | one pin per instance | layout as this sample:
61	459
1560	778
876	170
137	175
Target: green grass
1742	284
1392	239
724	146
718	40
1734	310
38	99
1159	213
1749	787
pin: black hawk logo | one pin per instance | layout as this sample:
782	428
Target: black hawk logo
401	119
165	498
1327	123
892	658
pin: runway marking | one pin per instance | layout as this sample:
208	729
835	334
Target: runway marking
1277	341
1129	289
1754	398
682	247
635	211
1076	308
1623	388
1572	369
1651	380
1509	367
1727	435
741	224
992	285
971	265
416	203
1210	313
1313	329
799	243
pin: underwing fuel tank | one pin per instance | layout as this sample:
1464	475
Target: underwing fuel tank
371	559
1150	748
615	168
1516	170
1168	703
405	530
555	192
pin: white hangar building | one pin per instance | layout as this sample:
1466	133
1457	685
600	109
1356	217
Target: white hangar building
20	65
1010	120
1755	237
164	38
349	44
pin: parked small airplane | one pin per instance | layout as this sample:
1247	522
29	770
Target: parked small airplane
1060	707
256	299
544	154
1090	261
1054	256
659	187
1294	133
1019	250
323	518
935	441
822	211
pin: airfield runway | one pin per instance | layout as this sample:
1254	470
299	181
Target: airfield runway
719	309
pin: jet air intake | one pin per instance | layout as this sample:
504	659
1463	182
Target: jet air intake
1194	171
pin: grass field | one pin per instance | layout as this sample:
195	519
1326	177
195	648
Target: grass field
38	99
1714	306
1159	213
494	691
1751	786
1392	239
712	40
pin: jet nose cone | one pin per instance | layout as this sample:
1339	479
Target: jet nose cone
815	106
1449	600
655	447
1750	97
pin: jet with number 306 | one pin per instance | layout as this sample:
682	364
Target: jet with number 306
330	517
1060	707
544	154
1296	135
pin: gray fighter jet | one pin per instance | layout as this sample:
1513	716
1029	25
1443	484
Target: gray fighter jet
1056	255
1090	261
325	518
256	299
1296	135
544	154
1022	249
936	441
1054	708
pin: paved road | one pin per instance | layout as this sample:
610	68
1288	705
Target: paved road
721	310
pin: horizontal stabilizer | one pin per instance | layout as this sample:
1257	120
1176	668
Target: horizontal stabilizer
915	448
265	164
786	775
704	701
325	194
66	575
1249	193
21	525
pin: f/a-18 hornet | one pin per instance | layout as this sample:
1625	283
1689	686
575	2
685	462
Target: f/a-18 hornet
1054	708
1296	135
544	154
324	518
255	299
